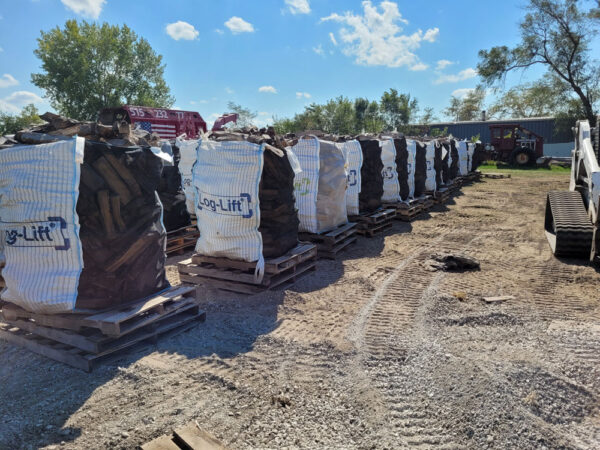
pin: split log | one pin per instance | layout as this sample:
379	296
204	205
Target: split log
106	170
107	220
124	173
115	206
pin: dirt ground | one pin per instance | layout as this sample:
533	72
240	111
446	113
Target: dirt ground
374	350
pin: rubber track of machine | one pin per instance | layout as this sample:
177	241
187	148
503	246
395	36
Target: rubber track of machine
568	227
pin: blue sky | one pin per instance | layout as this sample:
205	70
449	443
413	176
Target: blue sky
276	56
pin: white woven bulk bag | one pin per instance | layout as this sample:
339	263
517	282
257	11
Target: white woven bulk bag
463	158
411	147
354	159
226	181
39	226
320	189
306	183
470	153
430	184
187	151
333	180
391	186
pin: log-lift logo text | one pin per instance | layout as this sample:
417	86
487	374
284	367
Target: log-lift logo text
352	178
388	173
50	233
227	205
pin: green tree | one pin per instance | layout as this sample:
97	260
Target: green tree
467	108
245	116
397	109
428	116
87	67
10	124
528	100
555	34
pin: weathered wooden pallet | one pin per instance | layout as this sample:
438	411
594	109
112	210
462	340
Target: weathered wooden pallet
372	224
330	243
188	437
178	241
441	195
426	202
406	211
114	322
238	276
85	360
496	175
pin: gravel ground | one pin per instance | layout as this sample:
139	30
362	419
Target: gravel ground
375	350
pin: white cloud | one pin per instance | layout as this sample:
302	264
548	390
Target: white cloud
182	30
466	74
7	80
229	90
462	93
303	95
268	89
443	63
15	101
375	38
1	49
219	31
264	113
238	25
333	40
298	6
419	67
319	50
86	8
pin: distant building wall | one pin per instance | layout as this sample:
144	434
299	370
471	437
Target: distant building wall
556	143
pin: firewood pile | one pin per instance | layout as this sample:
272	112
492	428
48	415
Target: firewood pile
453	168
445	161
172	196
57	127
278	215
420	168
371	176
121	233
402	166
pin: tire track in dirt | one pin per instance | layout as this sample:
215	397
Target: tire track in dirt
383	334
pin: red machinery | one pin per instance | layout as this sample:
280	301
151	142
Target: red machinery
516	145
167	123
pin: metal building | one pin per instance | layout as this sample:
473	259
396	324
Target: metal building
557	141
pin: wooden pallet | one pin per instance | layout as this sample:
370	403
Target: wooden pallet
496	175
238	276
330	243
372	224
441	195
406	211
178	241
79	340
426	202
189	437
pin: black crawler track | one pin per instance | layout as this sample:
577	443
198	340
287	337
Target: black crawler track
568	227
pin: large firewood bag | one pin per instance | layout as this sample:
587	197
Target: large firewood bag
445	162
420	168
187	151
391	186
371	177
81	225
430	182
453	161
463	158
402	166
172	196
470	151
354	160
411	148
245	205
437	163
320	189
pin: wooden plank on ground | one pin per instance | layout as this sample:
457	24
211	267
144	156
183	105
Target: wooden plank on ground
192	437
161	443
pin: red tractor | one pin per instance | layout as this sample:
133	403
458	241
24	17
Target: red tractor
515	145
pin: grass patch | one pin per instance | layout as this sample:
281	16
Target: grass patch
500	167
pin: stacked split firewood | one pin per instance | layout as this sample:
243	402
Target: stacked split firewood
371	175
121	233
